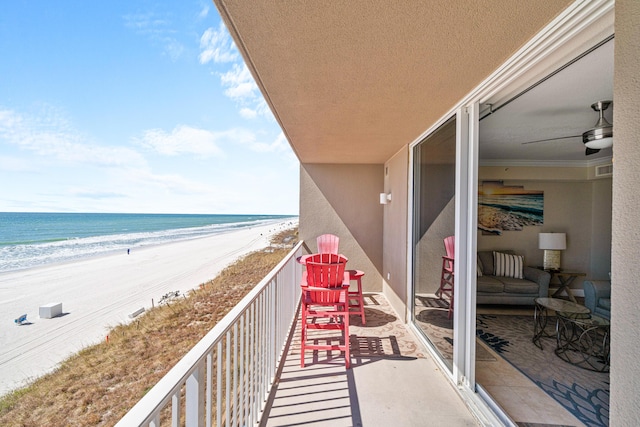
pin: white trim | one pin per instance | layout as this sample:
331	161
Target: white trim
547	163
472	237
410	231
461	331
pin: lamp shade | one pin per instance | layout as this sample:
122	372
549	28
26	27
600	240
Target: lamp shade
553	241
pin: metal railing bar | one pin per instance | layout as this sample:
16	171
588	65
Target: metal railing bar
175	410
219	384
209	396
227	375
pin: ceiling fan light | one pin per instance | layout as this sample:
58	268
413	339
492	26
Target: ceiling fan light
597	141
601	136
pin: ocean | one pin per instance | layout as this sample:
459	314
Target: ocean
528	207
34	239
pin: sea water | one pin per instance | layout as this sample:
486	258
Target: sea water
34	239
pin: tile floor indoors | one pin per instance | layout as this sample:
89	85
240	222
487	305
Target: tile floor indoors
518	396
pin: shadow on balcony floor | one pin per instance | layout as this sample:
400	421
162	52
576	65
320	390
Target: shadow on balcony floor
392	380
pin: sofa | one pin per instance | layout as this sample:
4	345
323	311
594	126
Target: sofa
502	289
597	297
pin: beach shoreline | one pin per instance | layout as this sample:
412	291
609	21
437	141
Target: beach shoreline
97	293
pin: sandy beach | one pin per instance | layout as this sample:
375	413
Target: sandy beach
99	293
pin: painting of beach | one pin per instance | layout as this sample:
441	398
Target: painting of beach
508	208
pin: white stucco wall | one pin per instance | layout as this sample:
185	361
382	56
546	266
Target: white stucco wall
394	255
344	200
625	316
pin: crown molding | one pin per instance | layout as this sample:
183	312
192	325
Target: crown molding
547	163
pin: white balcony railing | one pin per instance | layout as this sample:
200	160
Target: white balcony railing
226	377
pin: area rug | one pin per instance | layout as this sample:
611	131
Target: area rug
582	392
437	326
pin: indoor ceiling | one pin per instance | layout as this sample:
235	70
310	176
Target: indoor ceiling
356	81
557	107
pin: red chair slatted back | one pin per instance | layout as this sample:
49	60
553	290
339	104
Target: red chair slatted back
328	243
325	270
449	246
326	258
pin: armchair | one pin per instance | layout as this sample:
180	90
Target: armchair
597	297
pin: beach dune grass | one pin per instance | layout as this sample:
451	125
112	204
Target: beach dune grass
98	385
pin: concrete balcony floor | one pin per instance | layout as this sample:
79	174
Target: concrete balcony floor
393	381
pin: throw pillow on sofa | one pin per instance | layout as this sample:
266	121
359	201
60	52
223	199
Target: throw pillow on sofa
479	266
507	265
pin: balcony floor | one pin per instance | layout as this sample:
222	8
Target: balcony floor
392	381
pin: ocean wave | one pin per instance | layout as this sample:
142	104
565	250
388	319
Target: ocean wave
514	208
21	256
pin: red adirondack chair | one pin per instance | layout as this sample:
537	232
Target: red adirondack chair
325	305
446	288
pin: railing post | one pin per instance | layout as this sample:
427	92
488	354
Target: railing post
175	410
194	406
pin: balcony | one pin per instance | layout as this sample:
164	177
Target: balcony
246	371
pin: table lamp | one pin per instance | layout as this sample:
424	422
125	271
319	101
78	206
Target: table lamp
552	244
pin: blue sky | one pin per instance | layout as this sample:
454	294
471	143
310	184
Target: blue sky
134	106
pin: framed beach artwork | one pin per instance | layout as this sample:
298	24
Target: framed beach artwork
508	207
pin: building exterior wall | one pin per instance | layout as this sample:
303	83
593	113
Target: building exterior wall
344	200
394	252
322	204
625	315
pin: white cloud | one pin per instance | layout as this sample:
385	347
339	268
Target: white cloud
239	83
217	46
279	144
188	140
204	12
148	24
50	135
248	113
158	30
173	48
173	183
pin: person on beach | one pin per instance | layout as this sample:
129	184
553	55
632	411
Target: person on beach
128	251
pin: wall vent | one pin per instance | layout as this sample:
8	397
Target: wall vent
604	170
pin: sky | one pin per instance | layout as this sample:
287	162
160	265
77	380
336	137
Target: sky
134	106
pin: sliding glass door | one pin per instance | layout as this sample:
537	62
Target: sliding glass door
434	179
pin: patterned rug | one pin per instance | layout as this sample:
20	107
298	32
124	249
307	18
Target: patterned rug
432	316
383	336
582	392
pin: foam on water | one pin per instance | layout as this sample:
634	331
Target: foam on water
51	248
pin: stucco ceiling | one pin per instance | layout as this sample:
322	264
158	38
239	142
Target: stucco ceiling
355	81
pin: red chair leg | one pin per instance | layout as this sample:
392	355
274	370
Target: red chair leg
347	353
303	334
357	295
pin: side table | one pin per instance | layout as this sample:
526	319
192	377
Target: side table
584	342
565	278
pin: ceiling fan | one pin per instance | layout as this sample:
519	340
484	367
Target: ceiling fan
596	138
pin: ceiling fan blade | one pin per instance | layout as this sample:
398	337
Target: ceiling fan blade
551	139
588	151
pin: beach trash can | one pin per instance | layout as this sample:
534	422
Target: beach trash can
50	310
